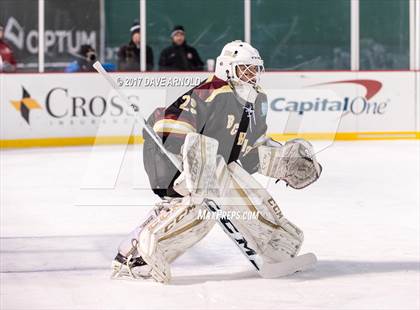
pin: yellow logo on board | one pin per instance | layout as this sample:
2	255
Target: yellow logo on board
25	105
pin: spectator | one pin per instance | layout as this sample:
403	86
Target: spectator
129	55
7	60
180	56
85	59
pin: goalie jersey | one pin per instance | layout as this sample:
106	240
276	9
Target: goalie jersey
212	109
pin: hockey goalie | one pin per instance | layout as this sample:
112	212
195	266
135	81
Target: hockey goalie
218	132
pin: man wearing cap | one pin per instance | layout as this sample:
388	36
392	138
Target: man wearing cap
129	55
180	56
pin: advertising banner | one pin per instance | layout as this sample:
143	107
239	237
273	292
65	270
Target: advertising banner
81	106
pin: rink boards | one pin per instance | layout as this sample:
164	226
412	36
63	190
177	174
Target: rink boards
56	109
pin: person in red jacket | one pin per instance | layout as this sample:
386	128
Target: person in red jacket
7	60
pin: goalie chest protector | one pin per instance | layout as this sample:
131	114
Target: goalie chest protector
212	109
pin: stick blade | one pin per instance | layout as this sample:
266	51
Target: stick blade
299	263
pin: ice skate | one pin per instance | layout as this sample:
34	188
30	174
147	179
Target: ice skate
129	268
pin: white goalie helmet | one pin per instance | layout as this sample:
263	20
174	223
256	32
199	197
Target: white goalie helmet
239	62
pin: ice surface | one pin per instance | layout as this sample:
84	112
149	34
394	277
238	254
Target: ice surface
57	241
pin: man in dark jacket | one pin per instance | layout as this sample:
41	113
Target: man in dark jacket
84	61
129	55
180	56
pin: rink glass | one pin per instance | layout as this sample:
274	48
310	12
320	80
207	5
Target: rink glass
302	35
20	22
384	34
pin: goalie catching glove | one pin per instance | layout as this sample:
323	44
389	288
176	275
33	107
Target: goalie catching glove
295	163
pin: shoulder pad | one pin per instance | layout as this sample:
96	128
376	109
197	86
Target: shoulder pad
210	88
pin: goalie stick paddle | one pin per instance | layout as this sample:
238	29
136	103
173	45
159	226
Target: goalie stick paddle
299	263
295	264
234	234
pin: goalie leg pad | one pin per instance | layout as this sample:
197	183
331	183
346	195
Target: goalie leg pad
273	237
177	228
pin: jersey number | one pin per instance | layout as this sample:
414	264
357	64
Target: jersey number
188	101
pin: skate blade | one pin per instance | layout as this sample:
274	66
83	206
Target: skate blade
299	263
120	272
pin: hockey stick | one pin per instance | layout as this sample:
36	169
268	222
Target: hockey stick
293	265
175	161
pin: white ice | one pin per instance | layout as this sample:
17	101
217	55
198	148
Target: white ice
57	241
